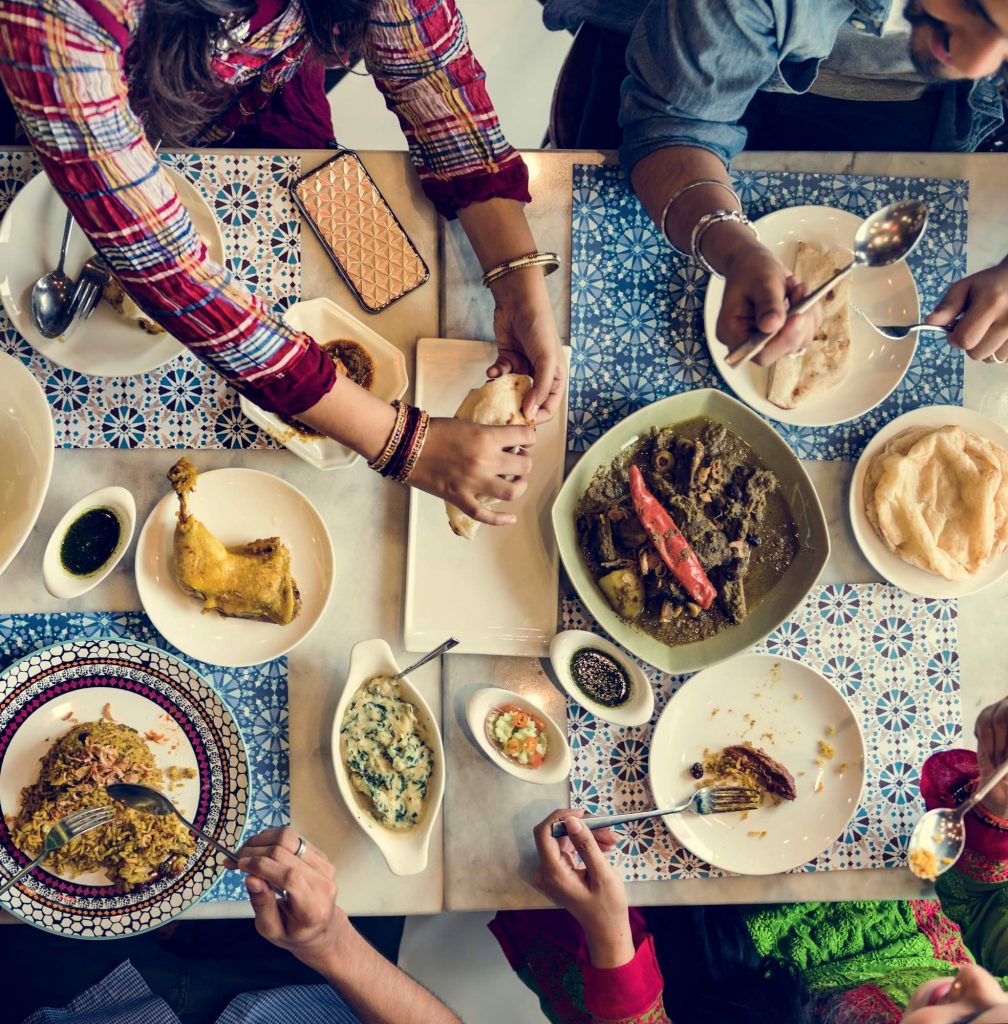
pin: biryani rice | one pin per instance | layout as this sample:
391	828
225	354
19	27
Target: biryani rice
132	848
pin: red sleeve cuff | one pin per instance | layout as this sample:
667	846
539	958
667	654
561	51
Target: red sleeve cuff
297	387
948	778
618	993
449	195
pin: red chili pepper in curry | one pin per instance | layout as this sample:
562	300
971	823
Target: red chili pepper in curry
670	542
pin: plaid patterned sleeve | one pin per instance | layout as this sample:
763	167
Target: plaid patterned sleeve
62	63
419	54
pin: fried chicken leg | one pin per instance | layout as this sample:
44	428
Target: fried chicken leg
250	581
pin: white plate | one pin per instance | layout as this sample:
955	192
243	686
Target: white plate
405	852
105	345
637	710
325	321
496	593
709	711
887	294
237	506
885	563
556	764
26	454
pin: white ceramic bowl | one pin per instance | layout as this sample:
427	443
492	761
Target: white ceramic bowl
404	852
556	765
57	580
26	454
325	321
637	710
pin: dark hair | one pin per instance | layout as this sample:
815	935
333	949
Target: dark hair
172	83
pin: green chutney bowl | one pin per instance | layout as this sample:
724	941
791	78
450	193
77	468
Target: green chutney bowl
796	487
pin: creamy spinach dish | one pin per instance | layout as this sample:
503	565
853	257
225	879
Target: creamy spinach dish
389	761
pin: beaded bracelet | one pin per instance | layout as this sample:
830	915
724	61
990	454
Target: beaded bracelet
394	438
549	261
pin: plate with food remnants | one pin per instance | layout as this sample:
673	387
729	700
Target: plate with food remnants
119	339
929	502
356	352
690	530
773	724
494	588
388	757
234	567
81	715
848	368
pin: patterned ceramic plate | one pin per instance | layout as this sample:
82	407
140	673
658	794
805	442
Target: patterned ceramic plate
44	695
891	566
887	294
105	345
786	709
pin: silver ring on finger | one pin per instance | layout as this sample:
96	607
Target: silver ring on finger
1000	362
282	894
302	846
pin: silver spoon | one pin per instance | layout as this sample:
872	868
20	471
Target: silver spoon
50	298
898	332
941	834
885	237
441	649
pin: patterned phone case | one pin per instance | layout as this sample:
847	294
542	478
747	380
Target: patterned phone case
360	233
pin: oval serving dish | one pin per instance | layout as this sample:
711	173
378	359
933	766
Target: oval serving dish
635	710
63	584
405	851
556	765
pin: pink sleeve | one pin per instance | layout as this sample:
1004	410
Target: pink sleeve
631	994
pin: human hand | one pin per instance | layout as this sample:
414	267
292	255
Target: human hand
307	921
462	462
758	292
991	731
527	340
592	892
981	303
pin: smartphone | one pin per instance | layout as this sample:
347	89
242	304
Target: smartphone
359	231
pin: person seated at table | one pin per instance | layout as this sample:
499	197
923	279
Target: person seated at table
908	961
97	82
354	983
702	80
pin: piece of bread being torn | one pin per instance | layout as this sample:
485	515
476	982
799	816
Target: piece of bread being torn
826	361
498	403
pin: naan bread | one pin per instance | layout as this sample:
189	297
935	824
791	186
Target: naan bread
826	362
939	499
497	403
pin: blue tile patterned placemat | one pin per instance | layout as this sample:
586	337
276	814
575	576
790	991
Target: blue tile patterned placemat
257	697
894	659
183	404
637	308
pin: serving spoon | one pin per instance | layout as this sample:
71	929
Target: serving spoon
941	833
50	297
430	656
885	237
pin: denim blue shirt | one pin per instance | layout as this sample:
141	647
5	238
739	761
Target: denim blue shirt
694	66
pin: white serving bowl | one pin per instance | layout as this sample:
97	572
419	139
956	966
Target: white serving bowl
556	765
404	852
26	454
63	584
325	321
637	710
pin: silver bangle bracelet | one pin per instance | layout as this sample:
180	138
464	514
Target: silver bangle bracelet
679	193
707	221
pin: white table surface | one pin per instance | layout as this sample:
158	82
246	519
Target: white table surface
489	854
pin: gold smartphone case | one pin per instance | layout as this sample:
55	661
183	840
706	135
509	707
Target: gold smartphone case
360	233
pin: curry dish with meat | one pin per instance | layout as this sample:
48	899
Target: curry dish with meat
686	531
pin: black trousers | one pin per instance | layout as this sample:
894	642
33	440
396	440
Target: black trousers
197	967
774	121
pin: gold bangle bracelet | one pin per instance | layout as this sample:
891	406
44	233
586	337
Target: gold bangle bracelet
402	409
418	443
549	261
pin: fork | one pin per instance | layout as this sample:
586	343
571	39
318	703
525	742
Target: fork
709	800
89	288
897	332
65	830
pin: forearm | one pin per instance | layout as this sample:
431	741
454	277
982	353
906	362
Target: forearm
376	989
658	176
354	417
611	943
